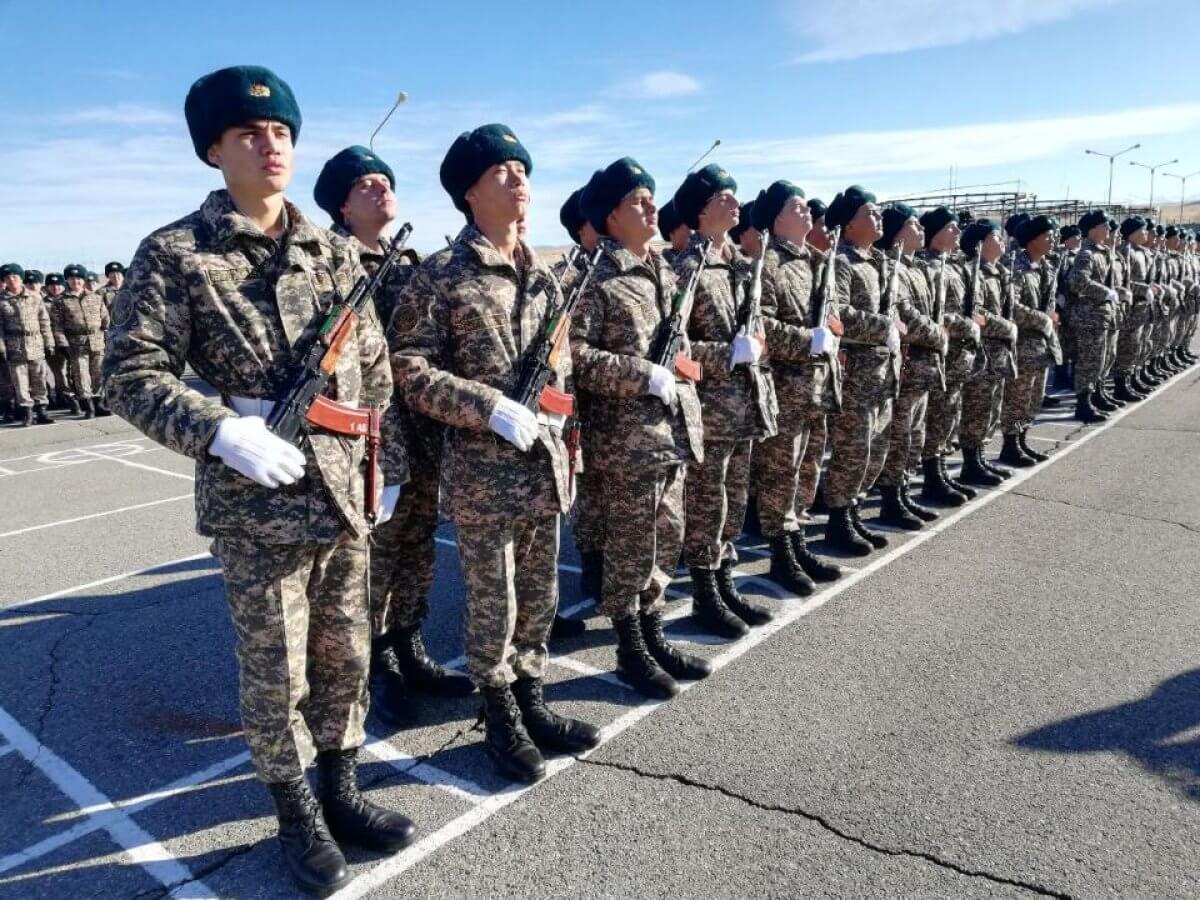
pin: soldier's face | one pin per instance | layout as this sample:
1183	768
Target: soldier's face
819	236
992	247
634	221
911	236
680	237
751	242
115	279
75	284
1040	245
866	226
255	158
794	221
54	289
1173	243
1073	243
370	202
946	240
12	283
720	213
501	194
1098	233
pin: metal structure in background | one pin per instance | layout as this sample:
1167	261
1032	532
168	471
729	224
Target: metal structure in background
1112	158
1001	204
1183	180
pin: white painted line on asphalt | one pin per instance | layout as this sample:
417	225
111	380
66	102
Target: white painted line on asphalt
107	512
138	845
100	582
48	453
406	859
143	466
426	773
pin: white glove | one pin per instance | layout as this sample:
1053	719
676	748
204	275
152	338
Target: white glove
387	502
662	384
552	419
246	445
514	423
893	340
1110	295
974	330
745	350
824	342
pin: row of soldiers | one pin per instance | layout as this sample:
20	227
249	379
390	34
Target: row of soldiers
52	341
691	374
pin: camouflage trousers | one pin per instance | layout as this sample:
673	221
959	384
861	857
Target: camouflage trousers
59	367
588	527
777	464
858	435
906	436
1022	399
403	554
28	383
715	503
941	418
642	547
1110	352
1091	345
1129	349
810	465
303	648
510	566
85	372
981	399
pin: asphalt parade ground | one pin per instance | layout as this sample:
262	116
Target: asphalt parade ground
1006	704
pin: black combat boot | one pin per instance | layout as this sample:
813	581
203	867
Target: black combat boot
352	818
1146	380
969	492
1014	454
820	504
1049	401
309	850
635	666
679	665
26	416
564	629
591	573
1125	391
73	406
89	408
816	568
551	732
1180	359
43	417
874	538
751	526
973	471
102	409
924	513
1062	377
6	413
785	568
892	510
841	534
1084	410
423	674
1100	402
709	609
1035	455
390	701
935	488
750	613
512	751
1107	394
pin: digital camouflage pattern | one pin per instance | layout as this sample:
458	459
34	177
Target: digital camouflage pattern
79	322
945	406
25	326
108	295
1037	345
982	393
715	504
1091	315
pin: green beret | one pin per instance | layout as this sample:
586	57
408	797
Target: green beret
74	270
965	217
745	217
697	189
473	153
54	278
33	276
1091	219
1172	231
846	204
609	187
91	276
111	267
668	219
818	209
228	97
570	215
975	233
935	220
1014	222
770	203
1068	231
894	217
1159	230
11	269
1131	226
1033	228
339	174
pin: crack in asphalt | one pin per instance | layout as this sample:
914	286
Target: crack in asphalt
199	875
826	825
1124	427
428	757
1114	512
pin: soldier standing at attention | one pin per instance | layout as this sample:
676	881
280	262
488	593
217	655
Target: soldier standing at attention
25	329
646	426
1091	313
466	320
810	490
357	190
79	319
287	523
114	277
673	230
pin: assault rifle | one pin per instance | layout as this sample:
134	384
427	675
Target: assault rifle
750	324
820	311
667	348
886	300
939	308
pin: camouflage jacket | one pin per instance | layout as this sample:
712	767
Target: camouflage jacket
925	339
108	294
961	351
727	396
871	371
25	326
567	277
79	322
1036	335
213	291
802	381
1088	303
612	332
998	332
457	338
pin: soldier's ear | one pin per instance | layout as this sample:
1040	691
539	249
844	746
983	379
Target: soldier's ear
213	155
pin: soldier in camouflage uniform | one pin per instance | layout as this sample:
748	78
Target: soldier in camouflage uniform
1091	310
114	277
674	231
461	328
921	372
1135	268
78	320
1070	239
810	490
357	190
25	329
736	395
645	422
871	343
234	290
57	365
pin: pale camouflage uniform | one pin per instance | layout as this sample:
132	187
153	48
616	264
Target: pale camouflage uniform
718	486
213	291
858	433
640	446
1037	345
983	393
108	294
1120	313
1132	339
1092	316
57	367
79	322
457	337
945	406
25	326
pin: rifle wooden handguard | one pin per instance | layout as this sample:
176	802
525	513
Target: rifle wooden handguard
686	367
552	400
353	422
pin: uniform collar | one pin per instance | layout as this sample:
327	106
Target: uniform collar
229	226
714	257
790	248
624	260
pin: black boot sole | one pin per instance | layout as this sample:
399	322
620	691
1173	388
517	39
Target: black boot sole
505	770
788	581
375	844
903	522
649	689
314	889
553	743
720	628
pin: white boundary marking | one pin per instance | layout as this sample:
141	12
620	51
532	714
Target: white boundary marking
135	465
100	582
97	515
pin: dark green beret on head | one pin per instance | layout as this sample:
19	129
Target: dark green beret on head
339	174
11	269
33	276
935	220
55	278
975	233
608	187
473	153
571	216
818	209
111	267
697	189
229	97
846	204
965	217
91	276
1091	219
668	220
1131	226
1069	231
1159	230
1033	228
74	270
894	217
770	203
1014	222
745	220
1172	231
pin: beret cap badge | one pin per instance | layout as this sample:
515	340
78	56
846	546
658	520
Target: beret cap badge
510	138
258	89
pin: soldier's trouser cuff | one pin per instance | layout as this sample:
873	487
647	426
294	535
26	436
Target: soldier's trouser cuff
777	461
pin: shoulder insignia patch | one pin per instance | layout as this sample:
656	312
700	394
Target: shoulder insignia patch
404	320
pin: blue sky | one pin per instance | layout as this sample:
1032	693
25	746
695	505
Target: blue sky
94	152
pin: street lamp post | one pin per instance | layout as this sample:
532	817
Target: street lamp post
1111	157
1183	180
1153	169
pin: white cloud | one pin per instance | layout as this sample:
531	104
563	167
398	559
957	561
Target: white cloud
659	86
849	29
121	114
